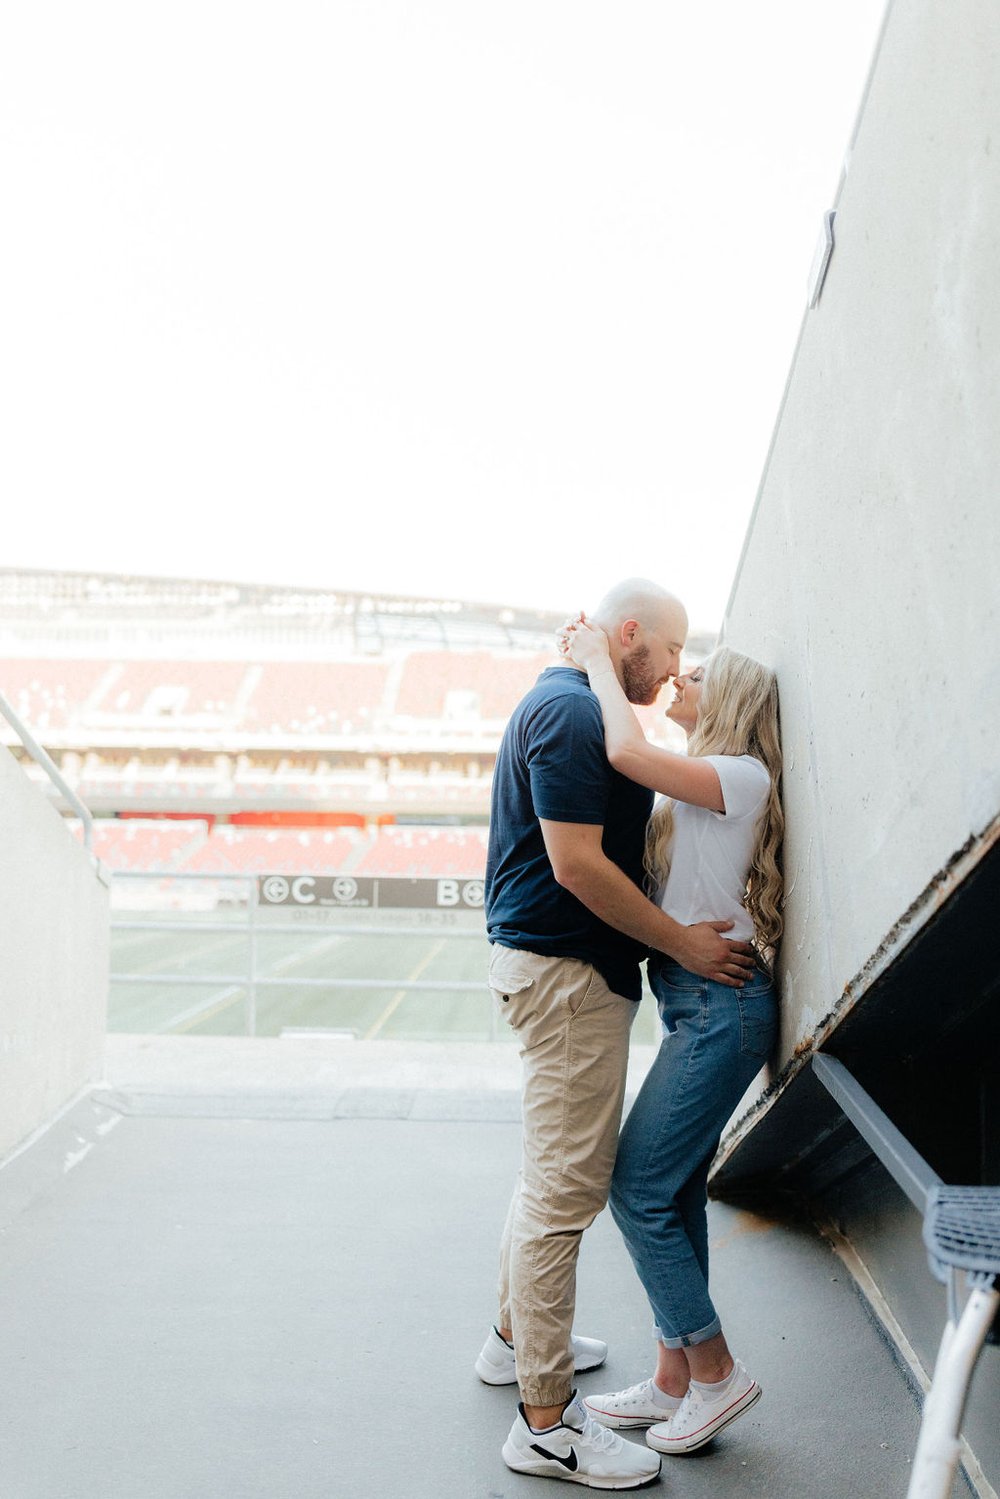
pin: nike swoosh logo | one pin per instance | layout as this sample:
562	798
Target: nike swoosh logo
570	1462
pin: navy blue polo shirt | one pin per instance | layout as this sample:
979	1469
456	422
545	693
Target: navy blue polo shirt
552	765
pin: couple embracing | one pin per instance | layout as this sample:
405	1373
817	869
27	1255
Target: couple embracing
573	851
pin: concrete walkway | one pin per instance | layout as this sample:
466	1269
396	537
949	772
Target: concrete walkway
265	1269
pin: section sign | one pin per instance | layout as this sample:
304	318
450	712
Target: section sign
346	892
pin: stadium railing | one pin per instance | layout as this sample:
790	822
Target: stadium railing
251	979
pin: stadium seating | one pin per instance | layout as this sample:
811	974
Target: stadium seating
415	852
290	697
311	704
140	845
456	684
49	694
315	696
161	690
507	679
425	723
237	850
190	847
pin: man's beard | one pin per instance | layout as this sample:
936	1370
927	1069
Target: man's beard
637	677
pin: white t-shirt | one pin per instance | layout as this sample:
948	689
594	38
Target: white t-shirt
710	852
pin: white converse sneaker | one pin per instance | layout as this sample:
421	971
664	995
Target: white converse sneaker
495	1364
636	1406
580	1451
700	1417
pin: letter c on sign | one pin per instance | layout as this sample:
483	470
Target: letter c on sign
298	890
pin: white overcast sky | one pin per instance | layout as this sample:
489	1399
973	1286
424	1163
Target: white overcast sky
490	299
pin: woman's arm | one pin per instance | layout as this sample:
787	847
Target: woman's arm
629	751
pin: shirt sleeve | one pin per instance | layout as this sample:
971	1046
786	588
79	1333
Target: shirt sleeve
745	785
568	770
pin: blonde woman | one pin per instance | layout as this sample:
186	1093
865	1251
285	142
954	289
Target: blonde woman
713	849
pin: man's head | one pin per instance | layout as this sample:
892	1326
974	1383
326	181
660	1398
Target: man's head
647	628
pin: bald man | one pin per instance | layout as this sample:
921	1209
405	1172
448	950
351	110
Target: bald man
570	924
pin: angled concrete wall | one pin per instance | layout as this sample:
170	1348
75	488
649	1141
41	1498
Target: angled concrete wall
871	574
870	581
54	947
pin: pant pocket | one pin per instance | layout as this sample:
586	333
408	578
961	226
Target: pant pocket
513	989
581	991
758	1023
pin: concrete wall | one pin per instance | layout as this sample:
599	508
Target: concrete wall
870	581
54	947
871	574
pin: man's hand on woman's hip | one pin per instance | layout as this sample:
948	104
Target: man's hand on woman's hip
702	950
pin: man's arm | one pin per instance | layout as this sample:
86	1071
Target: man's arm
581	866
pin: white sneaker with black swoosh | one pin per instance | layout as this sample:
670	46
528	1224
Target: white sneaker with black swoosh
580	1451
496	1363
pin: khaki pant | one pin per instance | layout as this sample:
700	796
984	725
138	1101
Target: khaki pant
574	1035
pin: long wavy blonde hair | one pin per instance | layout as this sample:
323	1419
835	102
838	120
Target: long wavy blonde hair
738	715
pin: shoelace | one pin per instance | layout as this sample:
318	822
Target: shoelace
643	1391
600	1437
684	1409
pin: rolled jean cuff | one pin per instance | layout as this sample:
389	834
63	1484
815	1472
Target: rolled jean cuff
686	1340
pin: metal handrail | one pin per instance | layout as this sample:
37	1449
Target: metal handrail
42	758
283	928
429	986
907	1168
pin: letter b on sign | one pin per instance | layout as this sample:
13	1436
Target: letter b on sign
448	892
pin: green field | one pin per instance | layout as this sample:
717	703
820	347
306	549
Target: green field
432	947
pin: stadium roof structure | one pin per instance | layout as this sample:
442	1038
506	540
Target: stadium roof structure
39	605
83	610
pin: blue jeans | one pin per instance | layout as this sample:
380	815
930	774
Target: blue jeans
717	1039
